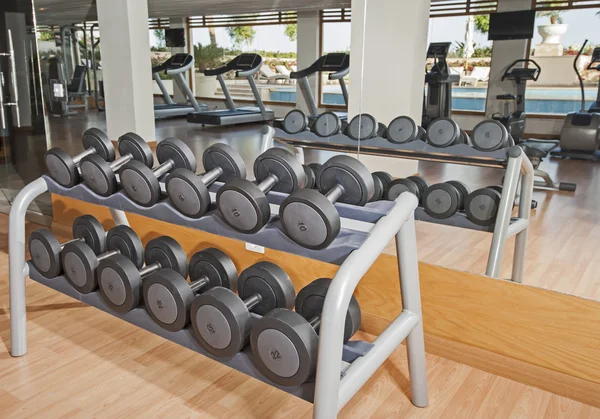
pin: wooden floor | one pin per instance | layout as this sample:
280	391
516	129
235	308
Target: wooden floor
85	363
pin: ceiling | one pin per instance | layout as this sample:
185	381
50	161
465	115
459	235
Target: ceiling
60	12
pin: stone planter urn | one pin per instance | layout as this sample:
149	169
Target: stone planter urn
205	86
551	33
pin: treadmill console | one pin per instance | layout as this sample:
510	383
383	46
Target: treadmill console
178	63
438	49
245	62
336	62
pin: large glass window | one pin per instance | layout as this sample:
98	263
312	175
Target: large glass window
558	36
470	57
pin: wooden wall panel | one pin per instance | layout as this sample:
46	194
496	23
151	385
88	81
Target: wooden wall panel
549	330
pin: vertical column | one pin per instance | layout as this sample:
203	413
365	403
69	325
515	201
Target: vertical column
386	84
176	23
125	49
308	49
503	54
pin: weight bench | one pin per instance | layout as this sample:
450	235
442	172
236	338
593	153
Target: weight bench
537	150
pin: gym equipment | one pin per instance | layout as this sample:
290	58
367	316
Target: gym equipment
364	126
416	185
309	217
580	134
327	124
120	280
481	205
311	177
444	132
403	129
285	343
45	249
438	101
141	184
245	65
491	135
80	262
381	181
189	193
443	200
222	320
295	121
64	169
169	296
377	189
175	66
100	175
244	205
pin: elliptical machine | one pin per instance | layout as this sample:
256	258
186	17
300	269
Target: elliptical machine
580	134
438	101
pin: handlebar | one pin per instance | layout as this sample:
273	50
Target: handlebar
536	74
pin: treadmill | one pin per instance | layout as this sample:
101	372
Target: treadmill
337	64
175	66
245	65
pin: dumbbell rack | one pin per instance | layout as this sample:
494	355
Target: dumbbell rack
354	251
518	183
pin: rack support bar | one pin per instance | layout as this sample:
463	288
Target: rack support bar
16	259
516	227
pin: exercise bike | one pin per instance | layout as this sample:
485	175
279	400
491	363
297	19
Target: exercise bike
438	100
536	150
580	134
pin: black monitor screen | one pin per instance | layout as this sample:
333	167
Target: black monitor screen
511	25
175	38
438	49
335	60
179	59
246	61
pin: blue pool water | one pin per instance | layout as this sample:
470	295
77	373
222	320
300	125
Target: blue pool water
558	101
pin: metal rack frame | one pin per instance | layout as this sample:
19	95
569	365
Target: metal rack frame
331	393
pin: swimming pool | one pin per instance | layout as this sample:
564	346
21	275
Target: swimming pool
538	100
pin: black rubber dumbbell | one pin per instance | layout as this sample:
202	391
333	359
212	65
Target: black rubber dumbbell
222	320
381	181
364	126
311	177
189	193
403	129
443	200
141	184
285	343
100	175
413	184
45	249
481	205
64	169
327	124
244	205
80	262
309	217
444	132
168	295
295	121
120	280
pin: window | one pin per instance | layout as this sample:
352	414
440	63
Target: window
335	37
559	34
159	53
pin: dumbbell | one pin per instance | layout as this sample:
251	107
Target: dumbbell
311	177
285	343
444	132
381	181
295	121
310	218
403	129
100	175
443	200
413	184
481	205
327	124
45	248
80	262
491	135
365	126
120	280
64	168
222	320
168	295
141	184
244	205
189	193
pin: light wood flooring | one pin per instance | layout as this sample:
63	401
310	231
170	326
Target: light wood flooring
85	363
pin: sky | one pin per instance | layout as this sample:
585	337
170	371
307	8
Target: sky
336	36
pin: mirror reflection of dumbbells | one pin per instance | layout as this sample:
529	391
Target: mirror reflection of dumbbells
120	280
100	175
141	184
244	205
64	169
481	206
416	185
80	262
285	343
168	296
325	125
403	129
189	193
309	217
443	200
45	249
222	320
364	127
444	132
